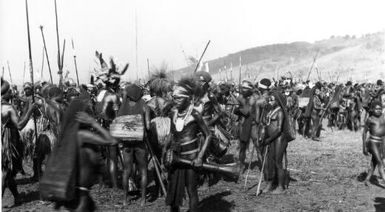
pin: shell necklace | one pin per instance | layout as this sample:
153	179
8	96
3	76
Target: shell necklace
179	119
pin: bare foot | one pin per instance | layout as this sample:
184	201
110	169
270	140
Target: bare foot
125	201
142	202
279	190
268	188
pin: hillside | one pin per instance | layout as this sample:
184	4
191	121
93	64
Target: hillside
337	58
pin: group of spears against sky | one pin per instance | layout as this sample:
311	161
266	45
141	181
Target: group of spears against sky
180	130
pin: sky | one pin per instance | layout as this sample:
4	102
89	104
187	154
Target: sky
168	31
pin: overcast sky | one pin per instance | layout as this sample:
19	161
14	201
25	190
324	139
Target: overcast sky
170	30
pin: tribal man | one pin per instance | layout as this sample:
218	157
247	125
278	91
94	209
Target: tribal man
375	124
11	144
184	143
247	112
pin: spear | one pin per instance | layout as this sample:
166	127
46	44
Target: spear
59	62
148	68
42	66
46	54
31	66
76	66
62	56
199	61
9	71
240	72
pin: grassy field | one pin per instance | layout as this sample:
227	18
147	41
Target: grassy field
326	177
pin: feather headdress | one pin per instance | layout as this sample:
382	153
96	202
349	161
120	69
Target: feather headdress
159	84
190	87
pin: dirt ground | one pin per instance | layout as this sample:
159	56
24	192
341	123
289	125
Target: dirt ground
326	176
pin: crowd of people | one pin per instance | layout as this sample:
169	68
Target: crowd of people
183	128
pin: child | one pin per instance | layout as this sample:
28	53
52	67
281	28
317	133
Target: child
375	124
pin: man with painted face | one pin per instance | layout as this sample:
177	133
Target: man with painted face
186	124
247	113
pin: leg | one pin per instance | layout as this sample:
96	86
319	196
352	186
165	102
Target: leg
373	165
269	168
279	152
191	181
127	169
112	162
315	119
3	181
141	159
242	153
9	181
88	160
376	148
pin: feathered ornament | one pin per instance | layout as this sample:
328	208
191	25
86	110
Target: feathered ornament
159	84
110	76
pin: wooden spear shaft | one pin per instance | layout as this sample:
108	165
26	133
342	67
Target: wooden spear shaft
31	66
59	62
200	59
42	66
46	54
9	71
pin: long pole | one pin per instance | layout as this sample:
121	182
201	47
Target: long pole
240	73
76	66
200	59
46	54
136	45
148	68
62	55
59	63
9	71
42	66
31	66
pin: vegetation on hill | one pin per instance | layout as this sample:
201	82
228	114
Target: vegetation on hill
338	58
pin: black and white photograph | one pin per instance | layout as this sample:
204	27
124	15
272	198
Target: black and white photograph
192	105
